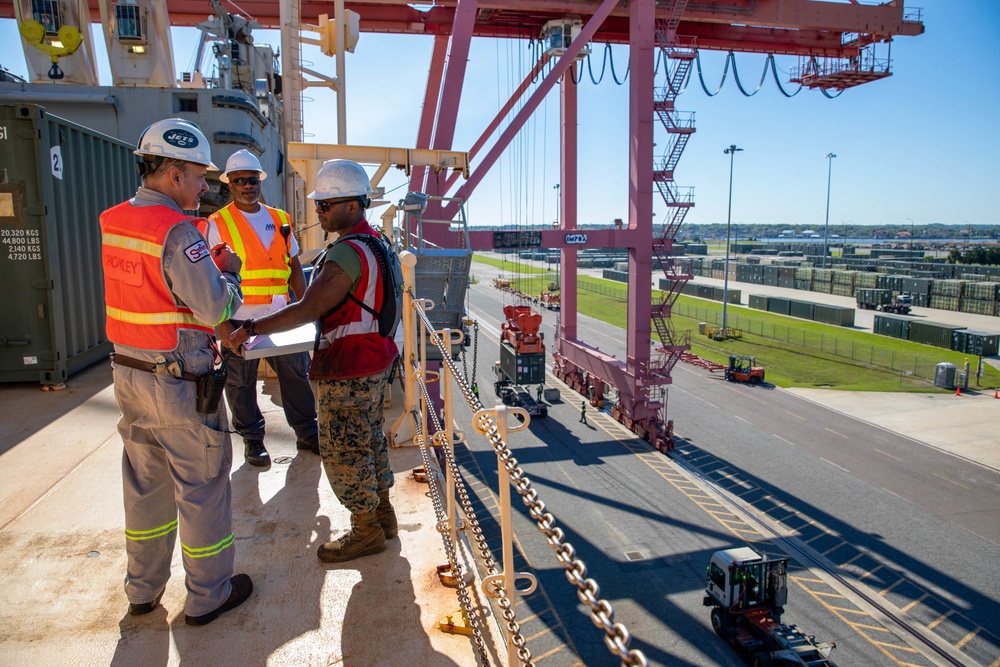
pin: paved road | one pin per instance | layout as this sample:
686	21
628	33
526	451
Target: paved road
908	520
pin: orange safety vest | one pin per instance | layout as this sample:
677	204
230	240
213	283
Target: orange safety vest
356	348
141	310
265	271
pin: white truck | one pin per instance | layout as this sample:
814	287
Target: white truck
747	593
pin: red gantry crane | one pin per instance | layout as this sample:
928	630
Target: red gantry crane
837	45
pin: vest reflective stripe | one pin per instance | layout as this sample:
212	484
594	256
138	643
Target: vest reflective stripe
145	247
266	273
150	318
352	329
356	348
140	309
140	535
205	552
271	271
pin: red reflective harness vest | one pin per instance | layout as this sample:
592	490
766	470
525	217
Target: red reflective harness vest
356	348
141	310
265	270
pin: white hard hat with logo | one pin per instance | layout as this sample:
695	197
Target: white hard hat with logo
242	160
341	178
178	139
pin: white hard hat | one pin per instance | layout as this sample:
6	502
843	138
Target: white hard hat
176	138
341	178
242	160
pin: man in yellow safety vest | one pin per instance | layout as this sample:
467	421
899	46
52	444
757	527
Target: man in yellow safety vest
261	236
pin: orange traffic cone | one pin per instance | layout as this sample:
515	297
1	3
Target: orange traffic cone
958	391
996	393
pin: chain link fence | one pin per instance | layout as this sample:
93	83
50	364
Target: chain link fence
914	369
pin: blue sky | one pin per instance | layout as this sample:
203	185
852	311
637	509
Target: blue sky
919	145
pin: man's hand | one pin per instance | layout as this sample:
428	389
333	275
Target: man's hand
223	332
238	337
226	259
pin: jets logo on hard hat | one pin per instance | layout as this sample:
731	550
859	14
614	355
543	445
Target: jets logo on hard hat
180	138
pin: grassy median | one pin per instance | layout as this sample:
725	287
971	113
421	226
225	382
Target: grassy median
794	352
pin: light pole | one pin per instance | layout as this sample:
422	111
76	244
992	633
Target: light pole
731	152
911	234
826	233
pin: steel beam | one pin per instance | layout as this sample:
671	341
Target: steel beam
640	187
568	178
431	94
536	98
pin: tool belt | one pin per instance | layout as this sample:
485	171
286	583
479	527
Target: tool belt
174	369
209	387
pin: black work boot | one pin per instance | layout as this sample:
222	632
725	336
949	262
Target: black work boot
311	443
386	515
364	538
242	587
256	454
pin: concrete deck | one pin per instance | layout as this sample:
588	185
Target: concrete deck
62	557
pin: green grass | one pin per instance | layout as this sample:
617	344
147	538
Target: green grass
787	361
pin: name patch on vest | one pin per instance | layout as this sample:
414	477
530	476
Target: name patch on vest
197	252
125	269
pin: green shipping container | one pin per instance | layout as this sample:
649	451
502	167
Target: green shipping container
892	325
842	317
524	369
979	343
777	304
933	333
803	309
59	177
758	301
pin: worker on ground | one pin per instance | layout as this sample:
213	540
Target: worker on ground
353	371
583	412
475	390
262	237
538	393
165	292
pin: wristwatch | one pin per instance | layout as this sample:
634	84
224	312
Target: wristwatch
248	326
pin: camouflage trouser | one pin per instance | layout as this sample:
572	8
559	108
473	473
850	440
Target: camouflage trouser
354	449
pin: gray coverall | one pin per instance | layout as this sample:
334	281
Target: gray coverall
176	461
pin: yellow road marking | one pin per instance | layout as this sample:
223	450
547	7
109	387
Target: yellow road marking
914	603
888	454
940	619
835	433
950	480
967	638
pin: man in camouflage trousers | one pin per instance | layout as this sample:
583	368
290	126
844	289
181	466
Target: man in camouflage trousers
352	373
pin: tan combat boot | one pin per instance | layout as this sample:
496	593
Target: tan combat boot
387	515
364	538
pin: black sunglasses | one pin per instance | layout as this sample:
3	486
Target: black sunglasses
325	205
248	180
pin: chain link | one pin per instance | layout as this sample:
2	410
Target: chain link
616	636
441	514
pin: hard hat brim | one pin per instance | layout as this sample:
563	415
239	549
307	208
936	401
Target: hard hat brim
225	175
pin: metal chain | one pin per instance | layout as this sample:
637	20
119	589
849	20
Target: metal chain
464	598
523	653
475	351
617	637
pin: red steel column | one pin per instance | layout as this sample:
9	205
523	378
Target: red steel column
447	108
429	113
567	201
642	19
